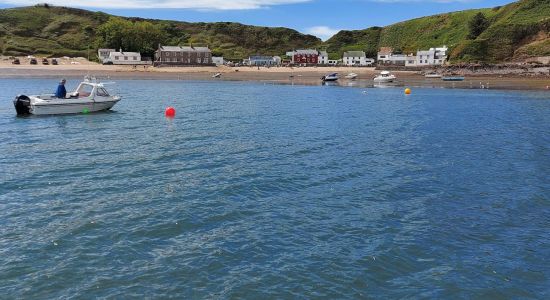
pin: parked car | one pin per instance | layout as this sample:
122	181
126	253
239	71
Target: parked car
54	61
33	61
45	61
16	61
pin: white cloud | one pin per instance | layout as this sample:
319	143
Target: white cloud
323	32
186	4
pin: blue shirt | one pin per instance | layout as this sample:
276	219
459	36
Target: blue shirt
61	91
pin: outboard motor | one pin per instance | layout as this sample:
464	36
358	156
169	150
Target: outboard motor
22	105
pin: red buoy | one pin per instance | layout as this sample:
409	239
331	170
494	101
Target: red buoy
170	112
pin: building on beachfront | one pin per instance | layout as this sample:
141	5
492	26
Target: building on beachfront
103	54
124	58
323	58
356	58
304	57
183	55
278	60
431	57
260	60
218	60
387	57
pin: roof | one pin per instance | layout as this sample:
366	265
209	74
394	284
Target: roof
125	53
323	53
184	48
355	54
306	51
104	49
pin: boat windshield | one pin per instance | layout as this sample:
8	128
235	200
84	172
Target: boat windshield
85	90
102	92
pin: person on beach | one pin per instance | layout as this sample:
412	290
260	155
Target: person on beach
61	91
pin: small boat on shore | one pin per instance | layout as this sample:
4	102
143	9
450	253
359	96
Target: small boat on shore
330	77
351	76
453	78
385	76
88	97
433	75
217	75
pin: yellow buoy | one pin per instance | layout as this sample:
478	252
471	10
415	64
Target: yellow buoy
407	91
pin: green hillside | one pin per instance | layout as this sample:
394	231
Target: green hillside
514	31
59	31
517	30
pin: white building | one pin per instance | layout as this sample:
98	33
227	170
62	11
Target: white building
432	57
103	54
387	57
356	58
124	58
218	60
323	58
277	60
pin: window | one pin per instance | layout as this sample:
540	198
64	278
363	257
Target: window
102	92
135	57
125	57
116	57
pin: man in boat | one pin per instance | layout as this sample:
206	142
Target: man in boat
61	91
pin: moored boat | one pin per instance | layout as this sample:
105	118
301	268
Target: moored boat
351	76
385	76
88	97
217	75
330	77
453	78
432	75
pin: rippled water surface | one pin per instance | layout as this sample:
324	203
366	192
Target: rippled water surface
261	191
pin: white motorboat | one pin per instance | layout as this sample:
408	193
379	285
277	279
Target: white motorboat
385	76
330	77
217	75
351	76
88	97
432	75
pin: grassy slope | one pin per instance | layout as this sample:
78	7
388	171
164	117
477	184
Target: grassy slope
519	29
56	31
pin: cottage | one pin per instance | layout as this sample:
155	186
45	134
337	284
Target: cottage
103	54
258	60
323	58
123	58
387	57
176	55
356	58
434	56
306	57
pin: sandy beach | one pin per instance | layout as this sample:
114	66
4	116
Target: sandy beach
77	68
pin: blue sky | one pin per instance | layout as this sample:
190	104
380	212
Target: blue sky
320	17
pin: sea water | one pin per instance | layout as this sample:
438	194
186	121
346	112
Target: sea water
276	191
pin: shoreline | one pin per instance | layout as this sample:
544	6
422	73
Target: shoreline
275	75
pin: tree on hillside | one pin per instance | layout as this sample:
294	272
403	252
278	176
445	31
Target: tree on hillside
140	36
477	25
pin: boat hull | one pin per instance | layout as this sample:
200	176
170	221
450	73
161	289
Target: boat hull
71	108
